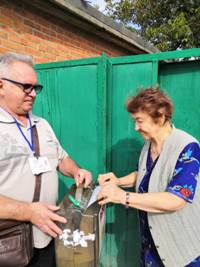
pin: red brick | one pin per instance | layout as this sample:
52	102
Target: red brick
31	38
3	35
3	49
41	35
32	51
10	45
32	24
6	21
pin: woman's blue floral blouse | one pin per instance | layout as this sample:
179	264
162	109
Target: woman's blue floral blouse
183	184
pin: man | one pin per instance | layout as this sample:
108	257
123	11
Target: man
18	165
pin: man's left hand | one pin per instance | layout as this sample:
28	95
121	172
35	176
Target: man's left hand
83	177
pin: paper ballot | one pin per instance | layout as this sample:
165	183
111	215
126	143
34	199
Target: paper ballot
94	196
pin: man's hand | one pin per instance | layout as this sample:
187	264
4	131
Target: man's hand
83	177
44	217
69	167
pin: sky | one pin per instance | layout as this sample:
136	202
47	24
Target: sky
100	3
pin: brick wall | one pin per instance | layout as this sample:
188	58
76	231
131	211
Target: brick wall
27	30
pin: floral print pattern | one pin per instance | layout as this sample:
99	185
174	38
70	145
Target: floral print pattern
184	179
182	184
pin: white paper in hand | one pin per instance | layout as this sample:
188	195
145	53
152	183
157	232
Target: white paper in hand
94	196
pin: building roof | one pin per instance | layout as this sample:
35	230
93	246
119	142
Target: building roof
90	19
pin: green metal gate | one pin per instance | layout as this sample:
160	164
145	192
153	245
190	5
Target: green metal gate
84	102
73	102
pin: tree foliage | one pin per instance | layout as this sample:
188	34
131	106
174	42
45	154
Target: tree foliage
168	24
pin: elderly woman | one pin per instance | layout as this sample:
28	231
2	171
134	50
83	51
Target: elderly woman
167	191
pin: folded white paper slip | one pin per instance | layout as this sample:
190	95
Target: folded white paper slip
94	196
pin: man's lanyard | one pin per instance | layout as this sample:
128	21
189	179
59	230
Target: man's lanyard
30	144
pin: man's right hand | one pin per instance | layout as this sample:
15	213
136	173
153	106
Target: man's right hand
44	216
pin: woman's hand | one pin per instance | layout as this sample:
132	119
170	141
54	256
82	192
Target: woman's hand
107	178
110	192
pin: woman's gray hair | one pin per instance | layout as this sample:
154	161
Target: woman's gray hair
7	59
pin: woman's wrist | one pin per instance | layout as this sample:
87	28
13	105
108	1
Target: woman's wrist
124	199
118	182
125	181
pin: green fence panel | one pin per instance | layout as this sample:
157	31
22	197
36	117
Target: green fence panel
181	81
84	101
72	101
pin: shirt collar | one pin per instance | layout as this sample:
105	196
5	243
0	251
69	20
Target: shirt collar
7	118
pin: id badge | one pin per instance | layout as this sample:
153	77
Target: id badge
39	165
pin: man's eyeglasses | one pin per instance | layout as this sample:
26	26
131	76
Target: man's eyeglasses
26	87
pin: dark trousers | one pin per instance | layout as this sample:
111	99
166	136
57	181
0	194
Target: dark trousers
44	257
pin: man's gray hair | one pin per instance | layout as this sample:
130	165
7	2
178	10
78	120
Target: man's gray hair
7	59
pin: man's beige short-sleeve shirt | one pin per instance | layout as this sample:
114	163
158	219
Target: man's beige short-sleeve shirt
16	178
